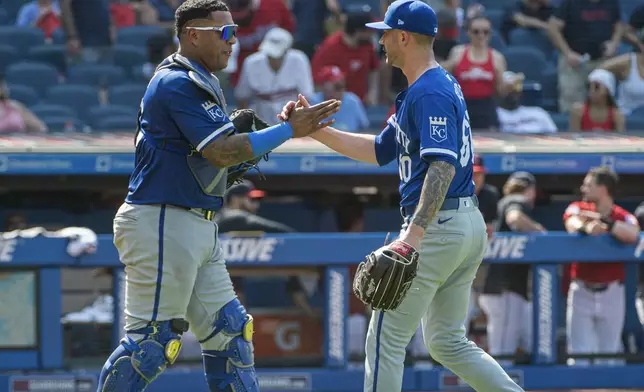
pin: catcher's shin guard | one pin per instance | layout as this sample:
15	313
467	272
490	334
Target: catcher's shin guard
232	369
135	364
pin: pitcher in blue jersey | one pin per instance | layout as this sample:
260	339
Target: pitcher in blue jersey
175	274
430	137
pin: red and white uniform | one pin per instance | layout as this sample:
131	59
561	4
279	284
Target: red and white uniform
596	298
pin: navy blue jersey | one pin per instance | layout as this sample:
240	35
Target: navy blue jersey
181	118
431	123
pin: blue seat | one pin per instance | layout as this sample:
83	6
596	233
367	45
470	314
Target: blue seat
21	38
51	54
561	121
528	60
550	91
99	113
116	124
531	38
11	8
496	17
377	115
23	94
100	75
63	124
137	35
78	97
128	94
638	112
37	75
58	36
635	123
128	56
8	55
4	17
53	110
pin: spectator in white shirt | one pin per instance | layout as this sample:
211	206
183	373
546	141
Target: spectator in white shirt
273	76
516	118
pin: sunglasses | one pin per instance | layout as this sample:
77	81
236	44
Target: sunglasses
227	31
480	31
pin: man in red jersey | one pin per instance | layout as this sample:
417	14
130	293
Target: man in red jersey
353	51
596	299
255	18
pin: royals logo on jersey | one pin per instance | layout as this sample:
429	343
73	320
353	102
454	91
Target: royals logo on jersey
213	111
438	126
431	123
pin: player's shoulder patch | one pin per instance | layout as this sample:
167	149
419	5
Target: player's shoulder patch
438	126
214	111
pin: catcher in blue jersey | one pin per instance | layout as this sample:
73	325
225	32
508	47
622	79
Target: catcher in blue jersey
188	152
424	276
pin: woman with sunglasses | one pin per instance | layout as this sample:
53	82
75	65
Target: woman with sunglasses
479	70
599	112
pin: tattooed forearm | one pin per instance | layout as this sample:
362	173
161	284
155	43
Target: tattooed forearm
437	180
229	151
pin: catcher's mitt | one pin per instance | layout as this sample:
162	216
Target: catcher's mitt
245	121
383	279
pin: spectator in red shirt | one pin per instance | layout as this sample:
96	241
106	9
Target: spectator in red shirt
255	18
43	14
353	51
599	112
596	299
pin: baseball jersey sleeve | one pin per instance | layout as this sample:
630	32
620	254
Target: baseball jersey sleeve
386	143
200	120
435	119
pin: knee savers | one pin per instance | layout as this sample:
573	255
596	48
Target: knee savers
135	364
232	369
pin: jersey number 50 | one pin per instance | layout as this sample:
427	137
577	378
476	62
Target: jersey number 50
467	150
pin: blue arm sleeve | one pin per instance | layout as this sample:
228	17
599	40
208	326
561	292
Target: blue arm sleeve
436	119
269	138
200	120
386	143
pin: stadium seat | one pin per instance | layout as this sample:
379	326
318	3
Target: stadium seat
635	123
496	17
53	110
21	38
531	38
78	97
116	123
8	55
63	124
96	114
51	54
127	94
638	112
4	17
58	36
549	80
137	35
23	94
561	121
377	115
128	56
99	75
528	60
37	75
11	8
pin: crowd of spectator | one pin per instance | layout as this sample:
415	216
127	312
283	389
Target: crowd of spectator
512	57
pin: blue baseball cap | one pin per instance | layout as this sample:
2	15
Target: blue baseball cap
413	16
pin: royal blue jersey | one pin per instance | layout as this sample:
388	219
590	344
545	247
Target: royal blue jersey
177	118
431	123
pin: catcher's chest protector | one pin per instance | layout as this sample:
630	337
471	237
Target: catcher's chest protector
212	180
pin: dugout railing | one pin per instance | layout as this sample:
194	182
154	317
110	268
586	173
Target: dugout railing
30	301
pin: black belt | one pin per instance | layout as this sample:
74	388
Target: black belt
595	287
207	214
448	204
